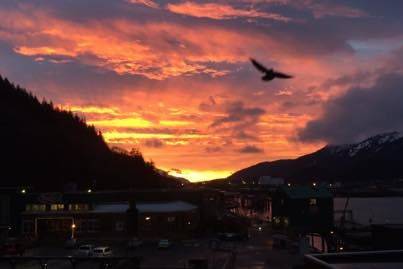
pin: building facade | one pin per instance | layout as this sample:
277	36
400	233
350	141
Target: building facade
303	209
145	214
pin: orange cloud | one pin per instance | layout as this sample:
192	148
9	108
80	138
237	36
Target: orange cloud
148	3
91	109
154	50
220	11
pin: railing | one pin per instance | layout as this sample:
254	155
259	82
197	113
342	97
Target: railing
330	260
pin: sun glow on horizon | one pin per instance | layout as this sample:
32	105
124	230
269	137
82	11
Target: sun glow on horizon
200	175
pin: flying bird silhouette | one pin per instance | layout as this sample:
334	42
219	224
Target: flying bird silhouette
269	74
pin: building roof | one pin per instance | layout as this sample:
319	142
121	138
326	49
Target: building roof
110	208
160	207
175	206
301	192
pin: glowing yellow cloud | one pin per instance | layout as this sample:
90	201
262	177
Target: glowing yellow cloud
91	109
174	123
126	135
125	122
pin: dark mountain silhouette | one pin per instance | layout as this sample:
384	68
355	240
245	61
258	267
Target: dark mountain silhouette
45	148
377	158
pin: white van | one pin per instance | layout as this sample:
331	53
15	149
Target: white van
102	252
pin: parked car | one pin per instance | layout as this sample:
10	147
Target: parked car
85	250
102	252
134	243
70	243
12	249
164	243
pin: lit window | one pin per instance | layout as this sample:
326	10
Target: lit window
35	207
312	201
57	207
78	207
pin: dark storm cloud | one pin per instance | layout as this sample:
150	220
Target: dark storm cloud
243	135
237	112
347	80
360	113
250	149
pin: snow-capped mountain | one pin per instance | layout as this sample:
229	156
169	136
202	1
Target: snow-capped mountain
373	144
376	158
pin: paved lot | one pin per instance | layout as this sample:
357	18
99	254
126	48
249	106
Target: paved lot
256	253
175	256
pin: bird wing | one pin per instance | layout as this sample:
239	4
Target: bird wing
281	75
259	66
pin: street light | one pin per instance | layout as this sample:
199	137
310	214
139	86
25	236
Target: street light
73	227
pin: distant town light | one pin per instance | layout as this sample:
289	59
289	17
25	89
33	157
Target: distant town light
341	248
23	191
189	222
9	228
89	190
331	232
73	226
289	184
147	218
260	228
314	184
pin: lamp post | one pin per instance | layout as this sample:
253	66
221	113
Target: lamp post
73	227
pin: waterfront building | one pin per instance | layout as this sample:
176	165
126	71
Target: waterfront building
120	214
303	209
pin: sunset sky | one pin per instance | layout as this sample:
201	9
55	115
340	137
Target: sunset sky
173	78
